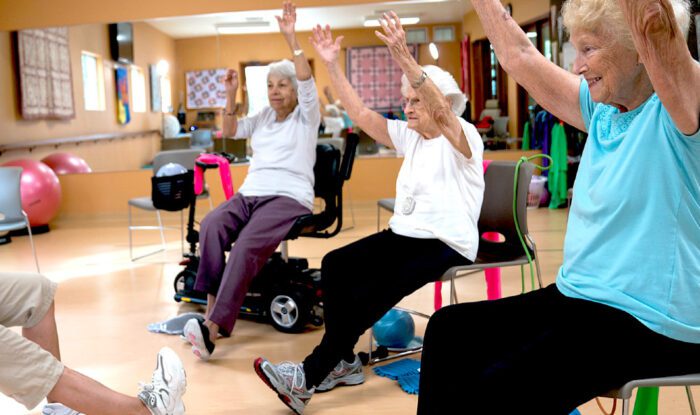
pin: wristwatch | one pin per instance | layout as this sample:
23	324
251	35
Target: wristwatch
420	80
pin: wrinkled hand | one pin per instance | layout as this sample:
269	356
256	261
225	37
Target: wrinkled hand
394	36
326	47
288	18
231	81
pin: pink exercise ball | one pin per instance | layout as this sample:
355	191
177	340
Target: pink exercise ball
66	163
41	191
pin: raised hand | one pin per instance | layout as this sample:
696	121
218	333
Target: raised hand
394	36
326	47
231	81
288	19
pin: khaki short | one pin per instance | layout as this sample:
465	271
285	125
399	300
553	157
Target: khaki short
27	372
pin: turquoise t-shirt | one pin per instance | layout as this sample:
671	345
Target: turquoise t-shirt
633	236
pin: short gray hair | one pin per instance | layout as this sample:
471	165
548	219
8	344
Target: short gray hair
445	83
594	15
284	69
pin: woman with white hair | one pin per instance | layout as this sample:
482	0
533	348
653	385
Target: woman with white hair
626	303
277	190
439	192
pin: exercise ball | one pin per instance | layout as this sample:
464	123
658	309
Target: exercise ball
395	329
171	169
66	163
41	191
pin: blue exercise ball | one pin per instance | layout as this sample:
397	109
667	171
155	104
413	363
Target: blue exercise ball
171	169
395	329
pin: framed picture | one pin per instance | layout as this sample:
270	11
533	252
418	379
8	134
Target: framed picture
205	89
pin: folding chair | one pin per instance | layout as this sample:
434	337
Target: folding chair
12	217
625	392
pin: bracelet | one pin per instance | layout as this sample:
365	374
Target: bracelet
230	114
298	52
420	81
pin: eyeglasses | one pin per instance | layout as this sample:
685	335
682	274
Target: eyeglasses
413	102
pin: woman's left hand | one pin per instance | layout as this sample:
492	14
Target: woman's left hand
288	19
394	36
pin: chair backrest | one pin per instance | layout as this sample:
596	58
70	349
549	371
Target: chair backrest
10	193
500	126
497	208
185	158
330	172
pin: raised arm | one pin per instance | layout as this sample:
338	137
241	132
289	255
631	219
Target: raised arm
286	23
552	87
369	121
663	51
434	101
230	120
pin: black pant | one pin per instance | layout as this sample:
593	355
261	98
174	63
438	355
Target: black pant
539	353
362	281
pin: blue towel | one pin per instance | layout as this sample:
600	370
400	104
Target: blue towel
405	371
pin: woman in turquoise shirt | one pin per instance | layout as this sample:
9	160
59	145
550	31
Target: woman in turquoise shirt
626	303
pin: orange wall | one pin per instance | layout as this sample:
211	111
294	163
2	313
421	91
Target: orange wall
150	46
202	53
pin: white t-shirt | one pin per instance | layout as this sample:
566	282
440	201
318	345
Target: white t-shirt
439	191
284	152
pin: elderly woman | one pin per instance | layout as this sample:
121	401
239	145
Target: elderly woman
277	190
439	192
626	303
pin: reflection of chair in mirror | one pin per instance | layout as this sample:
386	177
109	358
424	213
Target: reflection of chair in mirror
186	159
12	217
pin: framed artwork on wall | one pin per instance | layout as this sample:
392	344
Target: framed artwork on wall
123	106
44	73
205	89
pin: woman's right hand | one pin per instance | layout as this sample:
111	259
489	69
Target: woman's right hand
231	81
325	46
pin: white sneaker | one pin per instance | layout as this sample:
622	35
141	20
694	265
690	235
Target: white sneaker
344	374
163	396
198	335
288	380
58	409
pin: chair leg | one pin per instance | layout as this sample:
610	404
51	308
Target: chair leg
31	242
182	232
537	261
160	226
625	407
131	249
690	400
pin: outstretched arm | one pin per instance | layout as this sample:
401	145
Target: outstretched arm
369	121
435	102
665	55
230	120
552	87
286	23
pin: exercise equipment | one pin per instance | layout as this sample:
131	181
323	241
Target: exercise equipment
66	163
41	191
171	169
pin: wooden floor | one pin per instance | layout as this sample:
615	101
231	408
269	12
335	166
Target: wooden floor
105	301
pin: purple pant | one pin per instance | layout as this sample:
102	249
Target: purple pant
257	224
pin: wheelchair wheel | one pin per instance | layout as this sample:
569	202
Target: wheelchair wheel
184	281
289	312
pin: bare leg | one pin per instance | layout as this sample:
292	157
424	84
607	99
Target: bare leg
213	327
88	396
45	334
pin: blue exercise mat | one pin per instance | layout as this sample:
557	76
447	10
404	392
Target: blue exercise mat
405	371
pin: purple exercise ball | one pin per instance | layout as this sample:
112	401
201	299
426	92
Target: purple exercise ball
41	190
66	163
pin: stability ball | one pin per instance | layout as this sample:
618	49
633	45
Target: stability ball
171	169
41	191
395	329
65	163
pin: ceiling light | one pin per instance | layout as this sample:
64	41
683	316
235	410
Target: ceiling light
236	27
374	21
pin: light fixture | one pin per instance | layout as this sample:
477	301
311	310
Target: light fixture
163	67
531	35
432	47
374	21
233	28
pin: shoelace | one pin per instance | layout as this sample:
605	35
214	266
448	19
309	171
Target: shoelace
288	369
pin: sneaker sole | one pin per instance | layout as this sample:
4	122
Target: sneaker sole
194	336
257	365
352	380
